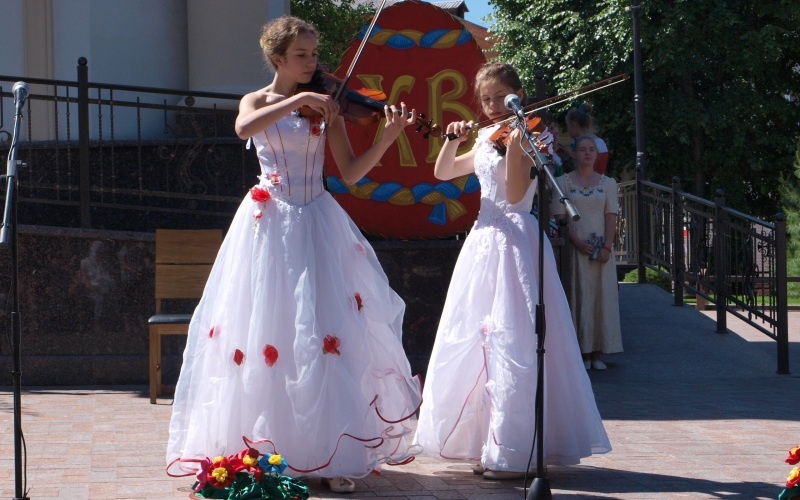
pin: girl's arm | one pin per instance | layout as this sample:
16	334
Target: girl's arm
448	165
258	110
353	167
518	168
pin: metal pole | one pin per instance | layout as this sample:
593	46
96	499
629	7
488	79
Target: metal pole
641	157
83	142
677	241
782	299
638	89
720	269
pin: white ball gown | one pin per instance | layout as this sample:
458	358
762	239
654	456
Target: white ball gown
479	393
296	342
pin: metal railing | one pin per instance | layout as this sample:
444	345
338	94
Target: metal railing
734	260
124	157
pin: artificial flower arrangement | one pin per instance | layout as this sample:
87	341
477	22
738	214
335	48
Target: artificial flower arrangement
792	489
247	475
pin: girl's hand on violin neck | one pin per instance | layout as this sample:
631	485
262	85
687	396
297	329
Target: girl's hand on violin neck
321	103
397	120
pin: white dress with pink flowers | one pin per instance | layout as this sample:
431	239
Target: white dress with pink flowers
296	343
480	388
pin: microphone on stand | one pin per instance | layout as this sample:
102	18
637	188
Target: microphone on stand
20	91
513	103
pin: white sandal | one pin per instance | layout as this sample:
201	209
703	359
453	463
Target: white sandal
340	484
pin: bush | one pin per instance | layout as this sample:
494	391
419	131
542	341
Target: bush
653	278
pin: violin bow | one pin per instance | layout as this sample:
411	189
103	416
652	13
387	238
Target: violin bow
358	52
558	99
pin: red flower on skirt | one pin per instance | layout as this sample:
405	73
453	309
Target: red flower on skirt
238	357
331	344
259	194
270	354
359	302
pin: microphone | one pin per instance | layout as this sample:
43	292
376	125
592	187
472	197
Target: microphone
513	103
20	91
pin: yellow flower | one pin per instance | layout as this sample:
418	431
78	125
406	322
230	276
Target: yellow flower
275	459
220	474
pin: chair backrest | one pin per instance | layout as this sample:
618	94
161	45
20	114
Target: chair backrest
183	262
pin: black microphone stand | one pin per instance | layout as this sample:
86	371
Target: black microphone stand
540	488
8	238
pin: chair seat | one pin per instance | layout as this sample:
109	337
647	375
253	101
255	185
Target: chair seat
169	319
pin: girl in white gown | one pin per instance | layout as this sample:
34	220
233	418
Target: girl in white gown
296	342
479	394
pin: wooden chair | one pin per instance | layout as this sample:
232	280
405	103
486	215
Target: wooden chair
183	263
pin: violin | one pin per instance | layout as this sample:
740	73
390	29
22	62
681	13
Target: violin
534	126
362	107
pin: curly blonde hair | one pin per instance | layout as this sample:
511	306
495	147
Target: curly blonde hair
278	34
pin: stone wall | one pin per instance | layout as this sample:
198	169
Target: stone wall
85	296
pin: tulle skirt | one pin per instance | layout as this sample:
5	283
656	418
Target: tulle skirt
480	388
296	346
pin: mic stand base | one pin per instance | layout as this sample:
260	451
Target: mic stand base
540	489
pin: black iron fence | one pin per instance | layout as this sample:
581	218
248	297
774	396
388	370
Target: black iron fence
105	156
133	158
705	248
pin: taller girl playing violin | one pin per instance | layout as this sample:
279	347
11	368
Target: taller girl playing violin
296	343
478	401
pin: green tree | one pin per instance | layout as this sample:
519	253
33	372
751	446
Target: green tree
338	22
716	79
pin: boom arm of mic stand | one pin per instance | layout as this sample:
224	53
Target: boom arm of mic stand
540	162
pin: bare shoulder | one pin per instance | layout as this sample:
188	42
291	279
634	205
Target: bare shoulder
262	97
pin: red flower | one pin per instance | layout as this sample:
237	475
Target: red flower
359	302
238	357
221	473
247	461
331	344
316	125
794	478
275	179
270	354
214	330
794	456
259	194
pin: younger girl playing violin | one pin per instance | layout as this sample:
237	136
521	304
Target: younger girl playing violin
478	401
296	343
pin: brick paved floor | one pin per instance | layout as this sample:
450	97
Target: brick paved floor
690	413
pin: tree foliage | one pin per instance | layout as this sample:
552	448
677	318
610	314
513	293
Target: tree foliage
338	21
716	78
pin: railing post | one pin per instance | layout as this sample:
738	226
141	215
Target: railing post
640	227
719	260
677	239
781	292
83	141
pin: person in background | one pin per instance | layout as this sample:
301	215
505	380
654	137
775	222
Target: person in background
592	285
479	395
580	124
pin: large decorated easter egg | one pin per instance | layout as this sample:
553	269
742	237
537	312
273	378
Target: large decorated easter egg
421	55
